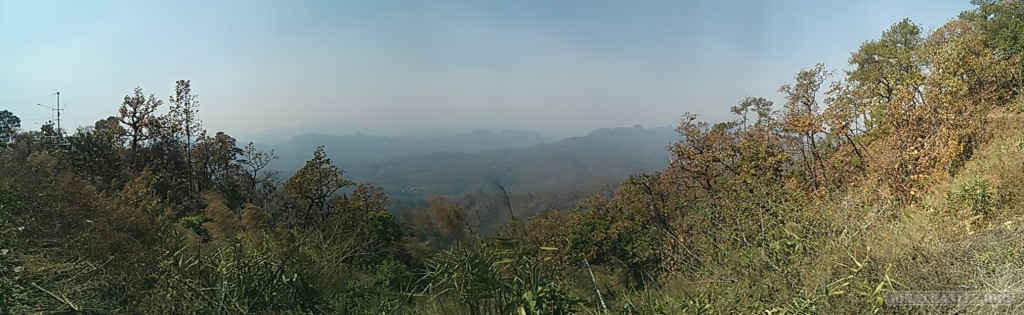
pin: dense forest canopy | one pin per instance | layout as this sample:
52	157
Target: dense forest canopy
901	173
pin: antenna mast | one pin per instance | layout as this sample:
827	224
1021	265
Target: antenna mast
60	132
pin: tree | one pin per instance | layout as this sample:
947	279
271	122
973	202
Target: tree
449	217
1001	24
960	66
363	217
801	117
183	122
138	116
217	157
9	125
629	231
48	133
96	152
731	154
842	118
254	161
888	73
760	106
312	187
759	148
965	80
217	166
366	198
702	156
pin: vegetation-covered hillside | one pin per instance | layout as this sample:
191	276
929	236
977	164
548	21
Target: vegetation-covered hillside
902	174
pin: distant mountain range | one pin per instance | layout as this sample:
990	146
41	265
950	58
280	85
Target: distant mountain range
359	148
522	161
283	134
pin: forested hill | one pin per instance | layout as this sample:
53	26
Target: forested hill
864	190
603	157
410	170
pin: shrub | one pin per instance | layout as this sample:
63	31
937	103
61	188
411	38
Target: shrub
973	197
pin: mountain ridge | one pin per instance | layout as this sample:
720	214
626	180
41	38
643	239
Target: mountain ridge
410	170
599	158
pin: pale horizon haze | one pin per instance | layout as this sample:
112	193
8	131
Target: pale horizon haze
561	67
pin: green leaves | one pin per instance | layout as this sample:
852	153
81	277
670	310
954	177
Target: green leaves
971	198
887	70
495	277
9	125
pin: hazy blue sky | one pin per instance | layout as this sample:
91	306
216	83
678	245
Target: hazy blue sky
559	66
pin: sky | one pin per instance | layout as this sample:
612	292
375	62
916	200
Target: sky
562	67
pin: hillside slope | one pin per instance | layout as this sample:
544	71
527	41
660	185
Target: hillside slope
962	236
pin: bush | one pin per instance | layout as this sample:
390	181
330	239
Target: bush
973	197
494	277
